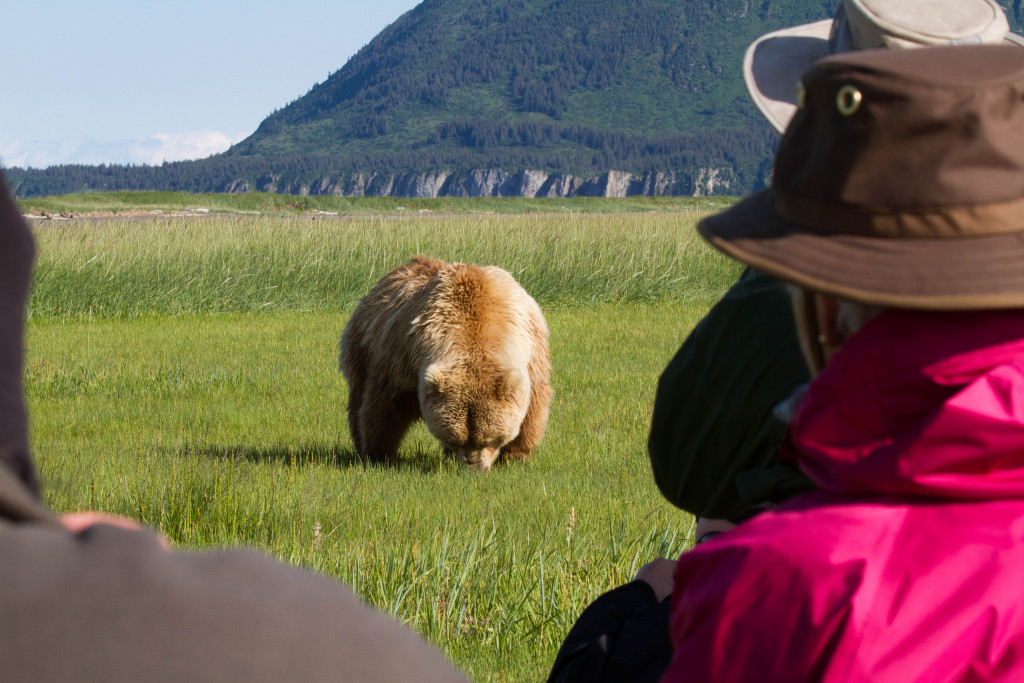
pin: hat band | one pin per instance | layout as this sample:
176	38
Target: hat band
902	222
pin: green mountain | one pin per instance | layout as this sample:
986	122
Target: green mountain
652	69
562	86
510	97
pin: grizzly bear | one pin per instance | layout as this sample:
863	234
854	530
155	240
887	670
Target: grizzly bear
462	346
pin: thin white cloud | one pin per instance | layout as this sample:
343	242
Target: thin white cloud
155	149
193	144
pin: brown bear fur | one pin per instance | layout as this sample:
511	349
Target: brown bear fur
464	347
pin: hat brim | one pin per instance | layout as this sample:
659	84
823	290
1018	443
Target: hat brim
775	62
983	272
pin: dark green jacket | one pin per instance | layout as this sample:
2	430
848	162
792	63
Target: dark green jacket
712	425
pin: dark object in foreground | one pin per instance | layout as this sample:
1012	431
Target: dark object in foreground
621	636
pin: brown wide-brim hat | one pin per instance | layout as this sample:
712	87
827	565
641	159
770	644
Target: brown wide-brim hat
899	182
775	62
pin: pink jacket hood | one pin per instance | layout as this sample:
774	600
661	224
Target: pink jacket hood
906	565
918	404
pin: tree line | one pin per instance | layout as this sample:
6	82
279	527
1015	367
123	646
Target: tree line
458	145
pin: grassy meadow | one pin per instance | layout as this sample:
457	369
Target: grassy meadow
183	371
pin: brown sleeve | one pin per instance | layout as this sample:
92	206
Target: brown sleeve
16	254
111	604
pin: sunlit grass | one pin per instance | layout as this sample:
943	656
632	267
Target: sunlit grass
131	267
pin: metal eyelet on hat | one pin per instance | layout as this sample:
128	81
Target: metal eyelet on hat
801	95
848	100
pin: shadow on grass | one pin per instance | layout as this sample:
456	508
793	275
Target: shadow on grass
416	459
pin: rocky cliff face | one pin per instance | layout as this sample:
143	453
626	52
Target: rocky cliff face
497	183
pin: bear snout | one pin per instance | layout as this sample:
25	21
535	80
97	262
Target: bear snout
479	460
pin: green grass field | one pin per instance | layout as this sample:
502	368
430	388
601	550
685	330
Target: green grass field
164	386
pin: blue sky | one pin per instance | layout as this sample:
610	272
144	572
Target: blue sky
133	81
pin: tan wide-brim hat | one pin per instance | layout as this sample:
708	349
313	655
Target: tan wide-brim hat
774	63
899	182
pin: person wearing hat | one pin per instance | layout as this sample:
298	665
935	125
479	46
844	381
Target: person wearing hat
714	432
89	597
896	214
715	429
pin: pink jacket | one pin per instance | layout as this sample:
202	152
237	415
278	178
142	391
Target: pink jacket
908	564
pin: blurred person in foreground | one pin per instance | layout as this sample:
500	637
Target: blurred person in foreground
897	213
722	404
92	597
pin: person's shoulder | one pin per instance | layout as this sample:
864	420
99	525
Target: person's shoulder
818	555
776	590
219	615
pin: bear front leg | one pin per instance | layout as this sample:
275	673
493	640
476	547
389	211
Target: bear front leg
385	418
534	424
355	409
352	364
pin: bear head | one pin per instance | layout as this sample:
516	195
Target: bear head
474	409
